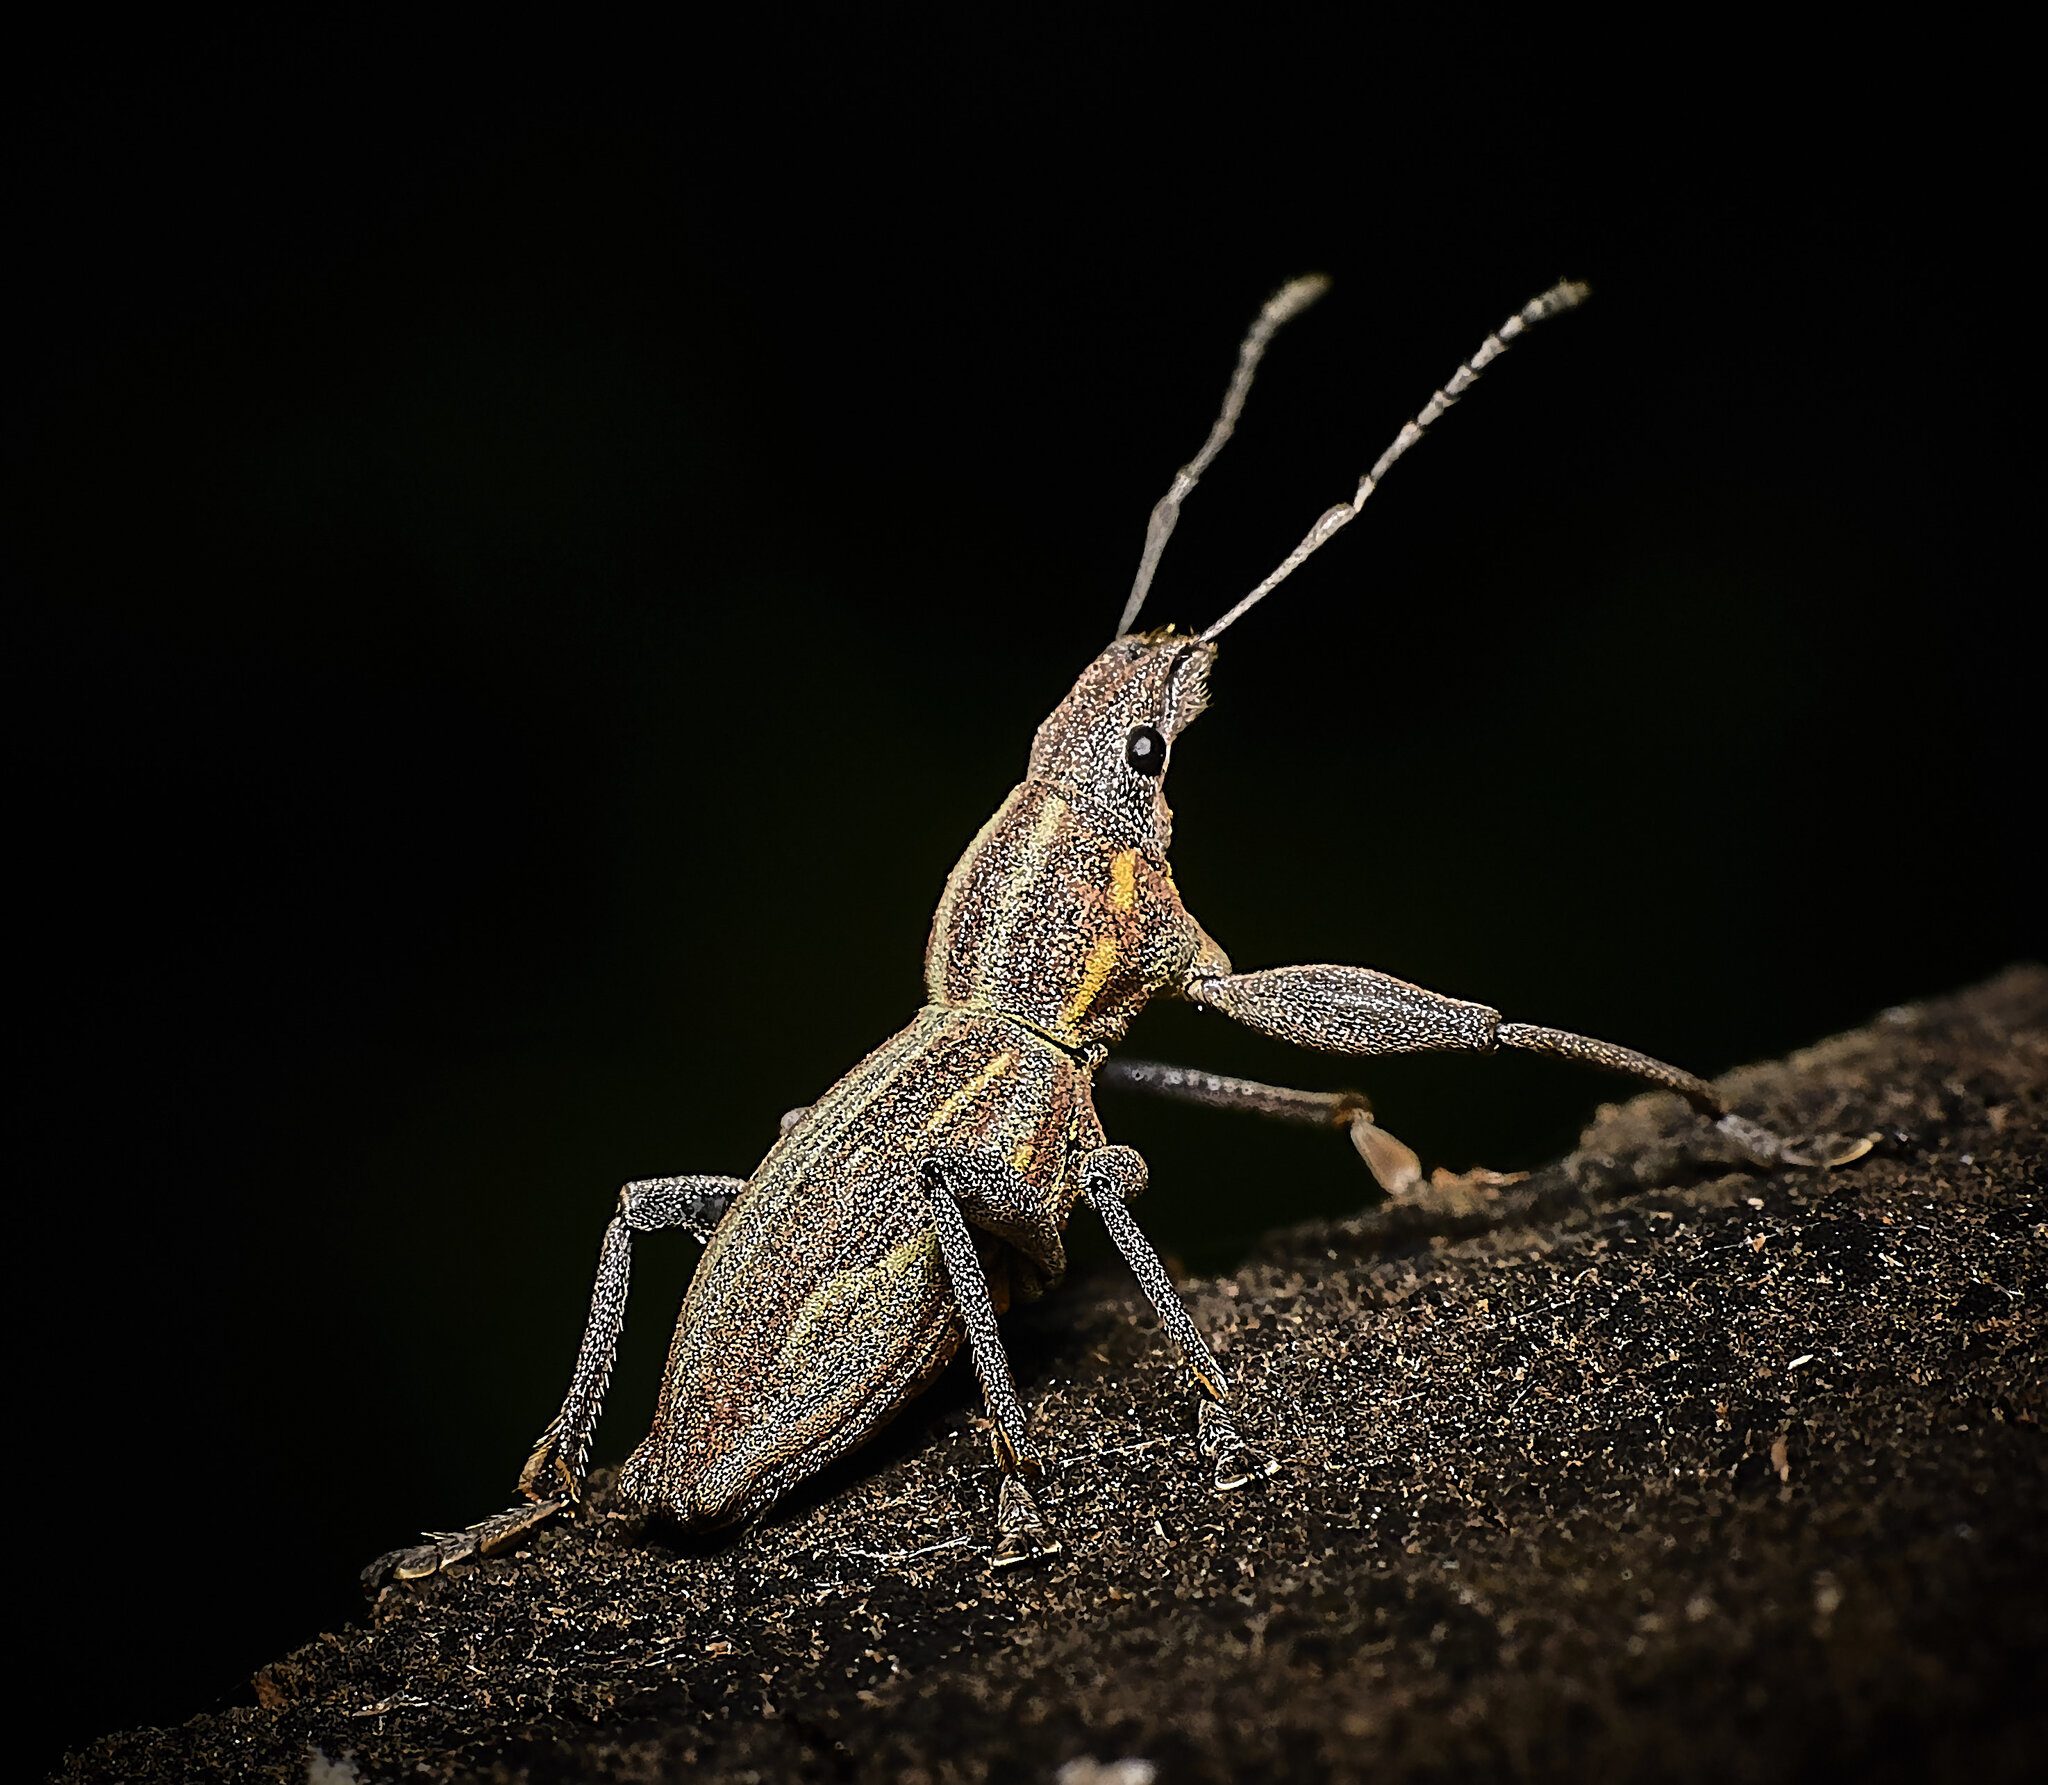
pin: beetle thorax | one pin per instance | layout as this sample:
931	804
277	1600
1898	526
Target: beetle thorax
1047	919
1063	910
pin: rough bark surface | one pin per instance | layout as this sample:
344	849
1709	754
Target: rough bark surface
1643	1466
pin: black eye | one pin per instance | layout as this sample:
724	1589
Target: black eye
1145	751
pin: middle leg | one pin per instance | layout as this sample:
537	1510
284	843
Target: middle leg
1390	1161
1110	1177
1022	1533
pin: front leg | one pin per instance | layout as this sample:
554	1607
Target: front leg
1353	1010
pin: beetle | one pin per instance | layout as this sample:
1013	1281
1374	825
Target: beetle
928	1190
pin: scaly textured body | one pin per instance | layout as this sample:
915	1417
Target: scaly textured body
822	1302
929	1189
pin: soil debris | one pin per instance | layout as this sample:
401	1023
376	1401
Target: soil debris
1645	1465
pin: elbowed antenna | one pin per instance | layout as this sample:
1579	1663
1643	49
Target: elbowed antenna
1561	296
1289	301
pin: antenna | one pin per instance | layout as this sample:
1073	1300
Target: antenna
1289	301
1561	296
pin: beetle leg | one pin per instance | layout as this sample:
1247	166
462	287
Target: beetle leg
1023	1534
552	1479
561	1455
1353	1010
1110	1177
1390	1161
443	1549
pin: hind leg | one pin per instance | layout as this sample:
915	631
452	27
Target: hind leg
552	1479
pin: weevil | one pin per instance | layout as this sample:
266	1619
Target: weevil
928	1190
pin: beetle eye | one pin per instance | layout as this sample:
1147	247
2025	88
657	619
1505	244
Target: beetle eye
1145	751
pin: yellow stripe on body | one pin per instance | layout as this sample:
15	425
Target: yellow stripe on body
1047	825
1018	889
972	1089
842	1294
1102	954
1094	972
1123	879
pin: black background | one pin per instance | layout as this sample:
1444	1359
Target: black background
536	555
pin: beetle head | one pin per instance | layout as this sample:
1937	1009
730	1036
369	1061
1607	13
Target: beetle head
1106	746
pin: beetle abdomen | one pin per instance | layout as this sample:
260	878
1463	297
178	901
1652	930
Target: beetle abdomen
821	1305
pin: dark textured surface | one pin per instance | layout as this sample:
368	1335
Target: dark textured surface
1633	1468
